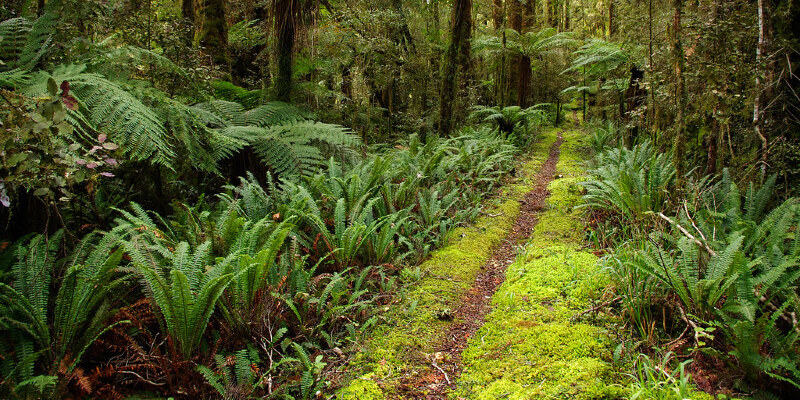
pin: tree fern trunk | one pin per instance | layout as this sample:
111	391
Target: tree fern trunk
524	65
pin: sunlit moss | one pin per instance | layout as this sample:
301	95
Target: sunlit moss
530	346
402	343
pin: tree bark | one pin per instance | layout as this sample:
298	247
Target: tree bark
679	147
213	32
524	65
285	12
187	11
765	68
499	19
458	61
612	22
498	15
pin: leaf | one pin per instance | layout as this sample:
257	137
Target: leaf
110	146
41	192
52	86
16	159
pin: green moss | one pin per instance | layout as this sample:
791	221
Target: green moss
530	347
362	389
402	343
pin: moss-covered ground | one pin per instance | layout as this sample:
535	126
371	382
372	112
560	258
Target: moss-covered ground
532	345
401	345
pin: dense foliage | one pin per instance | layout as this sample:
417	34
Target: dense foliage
218	197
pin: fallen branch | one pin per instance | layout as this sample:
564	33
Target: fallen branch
687	234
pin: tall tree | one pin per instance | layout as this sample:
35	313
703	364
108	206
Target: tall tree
499	20
457	63
212	34
286	14
521	19
764	73
679	147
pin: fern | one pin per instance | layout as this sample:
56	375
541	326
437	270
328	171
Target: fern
44	333
107	106
182	292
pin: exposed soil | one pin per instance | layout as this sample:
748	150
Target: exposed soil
445	363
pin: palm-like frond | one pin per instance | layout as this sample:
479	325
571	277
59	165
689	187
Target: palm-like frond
109	107
598	57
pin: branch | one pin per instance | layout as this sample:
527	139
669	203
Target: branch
687	234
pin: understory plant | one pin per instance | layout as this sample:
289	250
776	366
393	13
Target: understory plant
727	271
53	309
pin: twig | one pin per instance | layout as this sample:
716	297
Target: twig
688	235
686	208
441	370
689	323
142	378
597	307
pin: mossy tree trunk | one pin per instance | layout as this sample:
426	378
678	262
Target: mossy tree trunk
515	10
212	35
457	62
525	61
764	72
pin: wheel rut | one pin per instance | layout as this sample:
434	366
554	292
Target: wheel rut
445	363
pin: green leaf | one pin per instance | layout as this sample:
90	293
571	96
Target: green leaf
52	86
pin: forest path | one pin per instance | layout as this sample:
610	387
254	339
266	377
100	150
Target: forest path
475	304
415	351
539	341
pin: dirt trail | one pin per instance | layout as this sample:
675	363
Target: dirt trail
475	305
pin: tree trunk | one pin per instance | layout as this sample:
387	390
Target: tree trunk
213	32
405	32
652	108
612	22
458	61
499	19
525	61
714	138
187	11
498	15
515	11
679	147
766	68
285	13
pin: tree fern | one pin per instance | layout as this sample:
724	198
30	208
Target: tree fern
107	106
